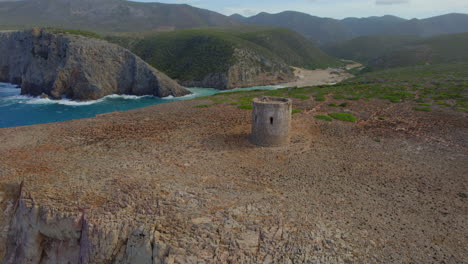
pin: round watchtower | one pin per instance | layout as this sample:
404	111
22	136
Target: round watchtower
271	121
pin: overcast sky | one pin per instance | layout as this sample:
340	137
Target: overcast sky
332	8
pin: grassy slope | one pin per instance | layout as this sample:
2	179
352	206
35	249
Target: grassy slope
292	48
432	86
398	51
188	54
192	54
365	49
435	50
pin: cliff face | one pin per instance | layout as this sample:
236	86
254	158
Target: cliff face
250	69
76	67
41	235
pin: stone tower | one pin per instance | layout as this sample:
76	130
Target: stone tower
271	121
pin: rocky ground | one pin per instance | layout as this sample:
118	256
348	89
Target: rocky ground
175	183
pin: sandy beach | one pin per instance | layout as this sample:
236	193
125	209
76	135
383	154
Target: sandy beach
306	77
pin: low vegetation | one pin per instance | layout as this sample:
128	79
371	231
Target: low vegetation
423	109
388	51
366	48
444	85
84	33
324	117
343	117
187	55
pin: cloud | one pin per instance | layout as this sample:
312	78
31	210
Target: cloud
391	2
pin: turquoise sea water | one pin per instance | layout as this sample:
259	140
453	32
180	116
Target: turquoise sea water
18	110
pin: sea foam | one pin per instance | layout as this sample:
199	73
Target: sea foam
38	100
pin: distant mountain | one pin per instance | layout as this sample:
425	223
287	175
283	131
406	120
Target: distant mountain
327	30
445	24
239	18
371	25
107	15
450	48
319	30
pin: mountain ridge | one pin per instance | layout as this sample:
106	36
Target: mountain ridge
107	15
328	30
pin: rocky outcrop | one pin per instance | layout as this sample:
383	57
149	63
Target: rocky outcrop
76	67
250	69
41	234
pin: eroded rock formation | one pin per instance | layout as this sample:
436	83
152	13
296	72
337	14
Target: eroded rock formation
76	67
250	69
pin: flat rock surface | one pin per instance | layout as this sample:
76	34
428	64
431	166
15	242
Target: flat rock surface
375	191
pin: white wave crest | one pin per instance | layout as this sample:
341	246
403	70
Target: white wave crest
126	96
168	97
38	100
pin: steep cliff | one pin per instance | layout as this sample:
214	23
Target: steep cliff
76	67
249	69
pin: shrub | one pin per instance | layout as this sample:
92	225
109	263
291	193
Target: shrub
84	33
423	109
343	117
245	107
443	103
301	96
319	97
338	96
324	117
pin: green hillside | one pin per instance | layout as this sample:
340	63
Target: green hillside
195	53
187	54
294	49
365	49
435	50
